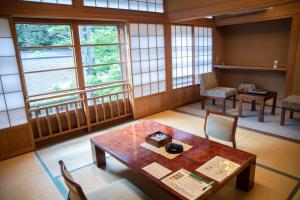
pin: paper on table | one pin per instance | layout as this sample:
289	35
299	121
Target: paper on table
218	168
185	184
156	170
162	150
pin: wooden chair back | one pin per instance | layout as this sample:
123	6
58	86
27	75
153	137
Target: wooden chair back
75	190
221	125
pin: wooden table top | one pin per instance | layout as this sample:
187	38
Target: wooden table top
124	145
269	93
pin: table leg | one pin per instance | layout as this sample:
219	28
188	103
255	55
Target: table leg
224	105
253	105
274	104
282	116
98	155
291	114
240	107
245	179
233	101
262	111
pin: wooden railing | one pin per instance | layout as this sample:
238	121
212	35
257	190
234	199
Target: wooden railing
88	111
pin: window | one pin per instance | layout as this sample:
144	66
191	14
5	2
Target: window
182	56
141	5
147	59
12	110
66	2
47	55
103	56
203	51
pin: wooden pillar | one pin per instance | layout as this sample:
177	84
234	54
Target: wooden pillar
168	61
295	28
80	73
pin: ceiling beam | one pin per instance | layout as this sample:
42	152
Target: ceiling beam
228	7
278	12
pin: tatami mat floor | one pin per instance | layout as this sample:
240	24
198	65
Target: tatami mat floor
249	120
36	175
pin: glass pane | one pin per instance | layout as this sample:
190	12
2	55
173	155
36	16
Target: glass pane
7	47
44	59
123	4
162	86
145	66
8	65
135	55
11	83
14	100
100	3
4	28
146	90
43	35
2	103
135	42
154	88
89	3
137	79
4	123
54	81
133	5
113	4
136	67
134	30
17	117
100	55
143	29
91	34
68	2
144	54
138	91
102	74
145	78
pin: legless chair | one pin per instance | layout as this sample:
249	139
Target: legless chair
209	89
117	190
221	126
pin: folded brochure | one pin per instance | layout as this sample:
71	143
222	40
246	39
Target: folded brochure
187	184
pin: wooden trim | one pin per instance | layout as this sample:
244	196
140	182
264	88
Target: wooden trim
295	28
215	9
57	11
278	12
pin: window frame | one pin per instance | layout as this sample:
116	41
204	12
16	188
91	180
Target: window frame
75	39
72	46
194	46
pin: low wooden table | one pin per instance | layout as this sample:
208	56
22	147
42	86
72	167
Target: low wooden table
124	145
257	98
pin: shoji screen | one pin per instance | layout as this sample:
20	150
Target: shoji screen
12	110
141	5
203	51
182	56
148	59
66	2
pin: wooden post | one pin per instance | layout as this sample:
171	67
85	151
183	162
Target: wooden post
295	28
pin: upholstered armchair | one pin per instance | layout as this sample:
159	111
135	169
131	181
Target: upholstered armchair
209	89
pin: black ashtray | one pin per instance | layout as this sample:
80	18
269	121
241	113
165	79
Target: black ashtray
158	139
174	148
